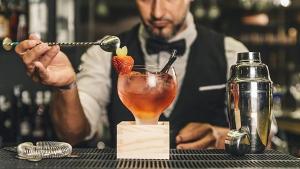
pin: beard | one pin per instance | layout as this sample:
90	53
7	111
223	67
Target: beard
167	32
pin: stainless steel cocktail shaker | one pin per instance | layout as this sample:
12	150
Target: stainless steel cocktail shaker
249	95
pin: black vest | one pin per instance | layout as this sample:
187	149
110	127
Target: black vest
206	66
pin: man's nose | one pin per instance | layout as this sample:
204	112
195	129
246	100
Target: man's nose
158	9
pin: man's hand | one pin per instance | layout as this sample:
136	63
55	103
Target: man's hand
44	63
201	136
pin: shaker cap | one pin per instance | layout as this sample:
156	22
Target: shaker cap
249	57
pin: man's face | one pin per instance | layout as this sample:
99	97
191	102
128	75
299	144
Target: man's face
163	18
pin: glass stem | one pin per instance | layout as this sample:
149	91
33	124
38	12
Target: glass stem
146	122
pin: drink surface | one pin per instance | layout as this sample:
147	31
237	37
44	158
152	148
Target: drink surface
146	94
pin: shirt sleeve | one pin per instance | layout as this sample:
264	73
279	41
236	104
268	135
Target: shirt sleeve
94	87
232	47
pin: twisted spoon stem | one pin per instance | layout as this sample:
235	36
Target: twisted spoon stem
66	44
107	43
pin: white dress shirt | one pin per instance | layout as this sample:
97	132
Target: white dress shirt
94	82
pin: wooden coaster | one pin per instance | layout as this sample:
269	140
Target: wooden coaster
143	141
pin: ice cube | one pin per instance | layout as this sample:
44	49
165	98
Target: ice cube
137	83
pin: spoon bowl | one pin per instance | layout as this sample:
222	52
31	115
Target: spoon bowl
110	43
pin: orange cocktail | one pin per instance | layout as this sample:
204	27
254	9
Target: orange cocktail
146	92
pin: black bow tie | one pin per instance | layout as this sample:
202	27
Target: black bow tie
154	46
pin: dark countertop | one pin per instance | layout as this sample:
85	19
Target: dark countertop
106	158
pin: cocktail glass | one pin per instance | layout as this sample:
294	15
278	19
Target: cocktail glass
147	92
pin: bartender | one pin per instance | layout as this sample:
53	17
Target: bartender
86	105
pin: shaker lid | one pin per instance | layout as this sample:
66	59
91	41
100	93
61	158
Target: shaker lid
248	57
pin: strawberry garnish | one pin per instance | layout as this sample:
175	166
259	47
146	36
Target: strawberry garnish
122	63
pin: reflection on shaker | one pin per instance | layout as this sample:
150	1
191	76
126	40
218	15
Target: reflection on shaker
235	91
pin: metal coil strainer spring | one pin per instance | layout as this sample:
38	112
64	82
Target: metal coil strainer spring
43	149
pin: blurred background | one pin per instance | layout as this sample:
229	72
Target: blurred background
268	26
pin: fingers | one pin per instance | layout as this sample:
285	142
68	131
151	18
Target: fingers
188	127
40	73
35	53
34	39
38	68
38	59
26	45
205	142
49	56
35	36
41	52
193	131
32	50
220	133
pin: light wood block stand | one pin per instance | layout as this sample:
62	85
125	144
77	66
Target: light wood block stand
143	141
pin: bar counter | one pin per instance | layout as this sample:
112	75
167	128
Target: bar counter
106	158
